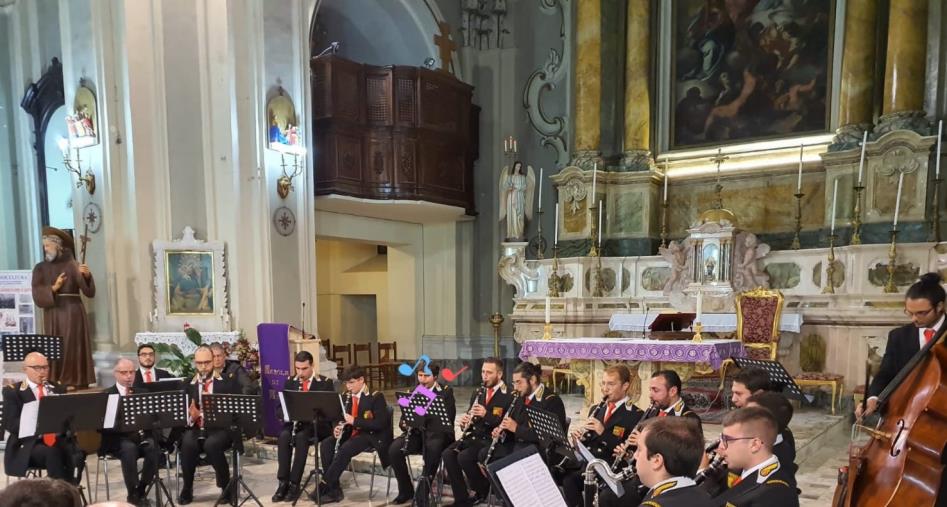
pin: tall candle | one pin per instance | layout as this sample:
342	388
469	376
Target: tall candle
700	303
799	178
600	223
594	174
555	234
665	186
547	309
834	197
506	144
540	189
940	133
897	202
861	162
514	146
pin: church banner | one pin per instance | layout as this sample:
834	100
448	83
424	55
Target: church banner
275	368
17	311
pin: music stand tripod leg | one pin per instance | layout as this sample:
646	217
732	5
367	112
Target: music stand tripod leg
158	485
236	479
315	472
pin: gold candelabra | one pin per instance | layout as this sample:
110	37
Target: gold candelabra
75	166
554	282
597	280
857	216
890	287
593	230
496	320
664	224
540	240
795	239
698	327
284	184
547	331
830	268
935	216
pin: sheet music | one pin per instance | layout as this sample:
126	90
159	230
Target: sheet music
111	410
171	379
28	419
282	402
528	483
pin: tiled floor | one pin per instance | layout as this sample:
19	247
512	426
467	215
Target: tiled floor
822	442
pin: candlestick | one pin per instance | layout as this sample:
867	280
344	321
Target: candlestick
856	217
861	161
834	199
554	282
540	240
795	239
698	327
935	216
597	280
540	189
897	202
830	267
664	223
555	233
799	178
940	134
496	320
593	231
890	287
547	310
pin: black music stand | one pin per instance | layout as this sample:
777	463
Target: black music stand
152	412
17	346
305	406
780	380
421	414
66	414
162	386
241	414
546	425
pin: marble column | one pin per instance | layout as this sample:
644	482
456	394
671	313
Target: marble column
588	83
903	103
637	154
857	80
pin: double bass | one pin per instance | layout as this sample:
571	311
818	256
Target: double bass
901	463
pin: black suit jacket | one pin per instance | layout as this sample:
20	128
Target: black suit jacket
317	383
372	420
903	344
690	496
621	423
235	373
16	457
482	428
221	386
774	490
159	374
111	438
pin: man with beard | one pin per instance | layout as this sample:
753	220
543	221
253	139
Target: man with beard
57	283
232	371
147	372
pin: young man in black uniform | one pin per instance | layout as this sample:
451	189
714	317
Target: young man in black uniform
608	425
213	441
50	452
130	446
746	443
746	383
785	446
147	372
924	304
665	393
294	449
431	440
667	457
366	425
485	413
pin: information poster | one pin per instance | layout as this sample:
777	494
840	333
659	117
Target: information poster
17	311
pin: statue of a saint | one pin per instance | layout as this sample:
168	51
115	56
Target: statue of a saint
57	283
516	199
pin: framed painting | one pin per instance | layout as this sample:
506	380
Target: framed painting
190	284
748	71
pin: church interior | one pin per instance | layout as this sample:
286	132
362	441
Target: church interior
701	187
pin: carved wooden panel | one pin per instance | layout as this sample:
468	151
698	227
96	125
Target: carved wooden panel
393	133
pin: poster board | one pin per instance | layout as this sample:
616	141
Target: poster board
17	310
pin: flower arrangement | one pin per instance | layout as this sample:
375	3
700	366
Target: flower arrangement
249	356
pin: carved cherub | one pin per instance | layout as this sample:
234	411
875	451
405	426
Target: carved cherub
676	256
749	267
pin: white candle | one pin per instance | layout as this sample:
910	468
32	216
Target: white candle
700	302
600	223
506	145
594	173
514	145
665	180
547	309
940	133
897	202
861	162
540	189
555	235
799	178
834	197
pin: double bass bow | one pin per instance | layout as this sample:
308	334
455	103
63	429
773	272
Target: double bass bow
901	463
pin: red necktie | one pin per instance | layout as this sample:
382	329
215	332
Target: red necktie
354	414
662	414
48	438
305	385
928	334
207	384
528	400
608	413
736	481
489	396
148	376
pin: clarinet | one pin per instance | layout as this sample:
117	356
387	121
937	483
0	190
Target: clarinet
468	430
715	464
501	437
199	382
597	413
651	412
338	441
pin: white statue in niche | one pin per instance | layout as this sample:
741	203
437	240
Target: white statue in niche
748	273
516	199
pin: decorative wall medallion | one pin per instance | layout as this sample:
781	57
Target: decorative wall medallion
653	278
783	275
284	220
904	274
92	217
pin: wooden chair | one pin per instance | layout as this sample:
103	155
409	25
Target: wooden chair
337	351
387	363
758	314
366	348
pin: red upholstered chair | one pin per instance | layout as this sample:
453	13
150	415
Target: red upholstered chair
758	313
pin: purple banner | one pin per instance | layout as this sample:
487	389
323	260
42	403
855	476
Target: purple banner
274	367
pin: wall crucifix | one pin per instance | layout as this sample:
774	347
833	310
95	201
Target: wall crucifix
445	45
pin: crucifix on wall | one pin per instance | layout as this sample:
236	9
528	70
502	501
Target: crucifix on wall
445	45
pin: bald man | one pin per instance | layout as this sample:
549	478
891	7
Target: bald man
50	452
129	447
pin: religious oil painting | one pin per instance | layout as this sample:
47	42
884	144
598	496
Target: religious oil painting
190	282
749	70
83	122
283	132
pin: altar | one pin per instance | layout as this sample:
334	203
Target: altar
588	358
712	322
179	339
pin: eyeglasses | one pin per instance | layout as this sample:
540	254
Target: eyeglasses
39	368
726	439
920	315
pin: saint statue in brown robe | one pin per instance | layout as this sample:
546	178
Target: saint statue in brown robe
57	283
